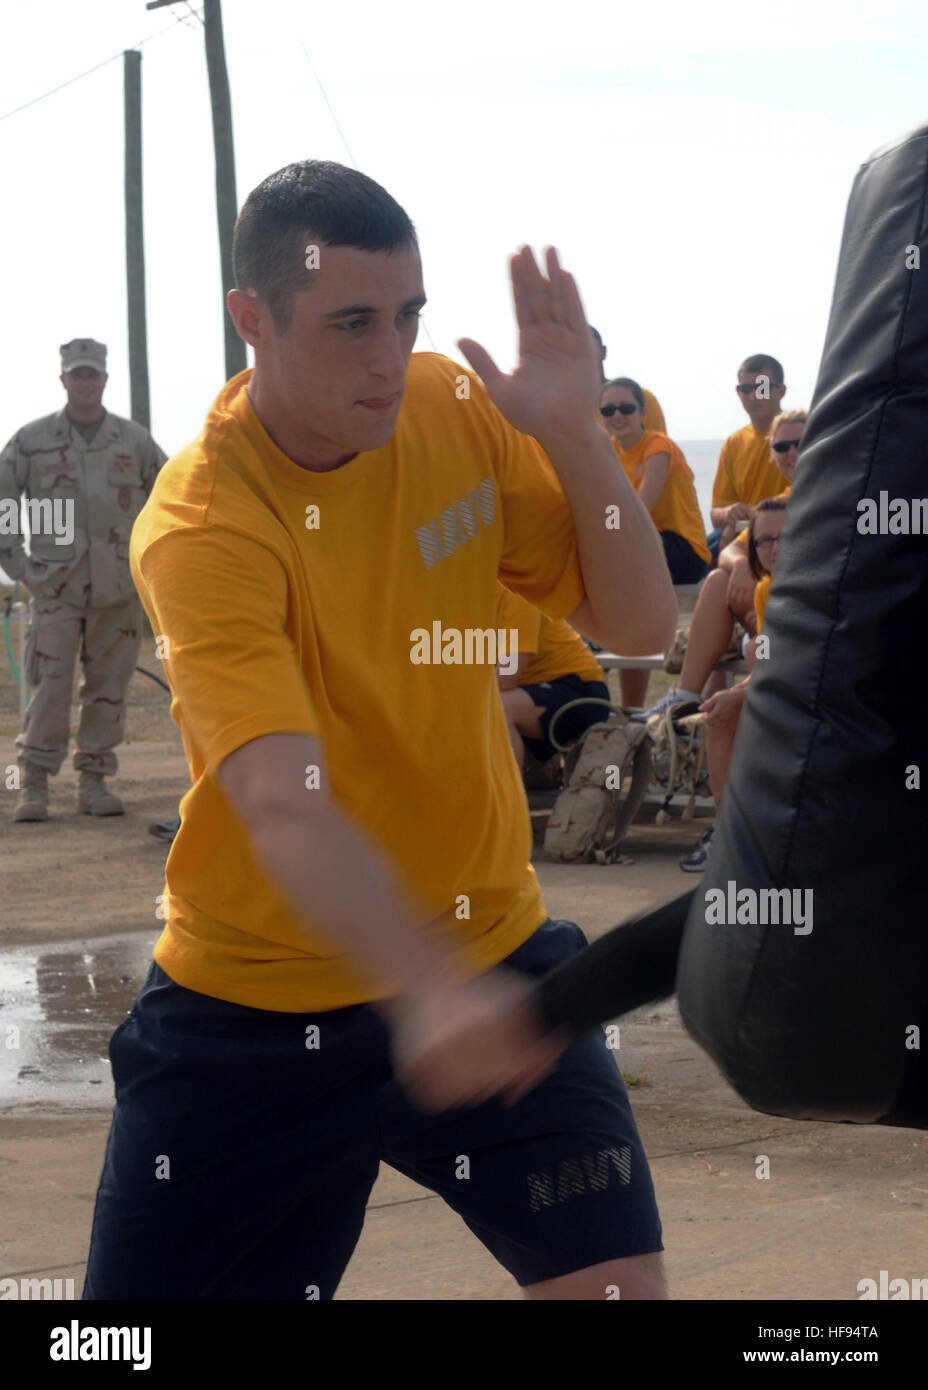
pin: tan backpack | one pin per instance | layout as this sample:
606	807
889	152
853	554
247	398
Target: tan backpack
678	756
606	773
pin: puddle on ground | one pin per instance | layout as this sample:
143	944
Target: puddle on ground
59	1006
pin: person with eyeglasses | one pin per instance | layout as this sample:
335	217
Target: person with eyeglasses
745	473
663	479
727	596
785	437
723	708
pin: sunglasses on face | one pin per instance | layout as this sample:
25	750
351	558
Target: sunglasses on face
626	408
783	446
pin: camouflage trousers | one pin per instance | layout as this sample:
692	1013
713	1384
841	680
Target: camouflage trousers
108	642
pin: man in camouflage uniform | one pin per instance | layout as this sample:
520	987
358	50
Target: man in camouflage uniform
91	472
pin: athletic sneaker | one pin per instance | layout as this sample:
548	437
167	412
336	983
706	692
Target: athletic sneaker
695	861
674	695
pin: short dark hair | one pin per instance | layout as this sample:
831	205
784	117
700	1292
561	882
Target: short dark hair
629	385
763	362
769	504
314	201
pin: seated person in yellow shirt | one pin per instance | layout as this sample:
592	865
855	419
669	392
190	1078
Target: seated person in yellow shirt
656	419
555	667
727	596
723	709
785	437
745	474
663	479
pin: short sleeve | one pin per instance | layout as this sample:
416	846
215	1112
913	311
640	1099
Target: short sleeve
658	444
540	558
515	612
723	489
220	600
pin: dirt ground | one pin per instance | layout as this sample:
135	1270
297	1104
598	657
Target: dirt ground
841	1202
66	852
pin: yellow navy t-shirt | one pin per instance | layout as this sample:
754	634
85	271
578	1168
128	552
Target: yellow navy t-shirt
281	618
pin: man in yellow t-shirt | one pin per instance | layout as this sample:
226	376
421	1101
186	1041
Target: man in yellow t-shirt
549	666
745	474
320	566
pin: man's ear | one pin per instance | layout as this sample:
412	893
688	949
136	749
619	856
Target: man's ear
247	314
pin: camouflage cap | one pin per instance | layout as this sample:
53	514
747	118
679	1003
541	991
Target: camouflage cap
83	352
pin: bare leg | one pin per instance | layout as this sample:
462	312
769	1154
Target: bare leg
634	685
717	681
720	740
710	631
521	720
632	1279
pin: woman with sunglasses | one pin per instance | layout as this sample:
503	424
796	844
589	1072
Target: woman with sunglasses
663	480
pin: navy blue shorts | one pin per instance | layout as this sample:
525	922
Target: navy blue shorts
554	695
686	567
240	1161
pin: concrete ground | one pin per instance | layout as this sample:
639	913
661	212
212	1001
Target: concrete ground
76	926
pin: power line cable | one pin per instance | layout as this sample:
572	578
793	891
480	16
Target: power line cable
344	141
328	103
181	19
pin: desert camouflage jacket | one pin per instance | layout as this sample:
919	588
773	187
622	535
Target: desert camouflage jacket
81	500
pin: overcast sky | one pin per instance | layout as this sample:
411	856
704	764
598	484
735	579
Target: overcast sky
691	161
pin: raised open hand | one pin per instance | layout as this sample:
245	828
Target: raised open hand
552	391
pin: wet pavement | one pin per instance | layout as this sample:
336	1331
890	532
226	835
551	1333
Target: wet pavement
59	1005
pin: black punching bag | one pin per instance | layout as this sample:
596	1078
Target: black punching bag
823	796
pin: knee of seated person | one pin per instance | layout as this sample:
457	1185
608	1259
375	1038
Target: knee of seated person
715	586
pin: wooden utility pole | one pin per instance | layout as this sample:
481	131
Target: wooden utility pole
226	200
135	241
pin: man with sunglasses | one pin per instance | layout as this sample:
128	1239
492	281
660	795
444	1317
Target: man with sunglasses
785	436
745	473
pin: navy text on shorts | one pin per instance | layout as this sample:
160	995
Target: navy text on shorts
240	1160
